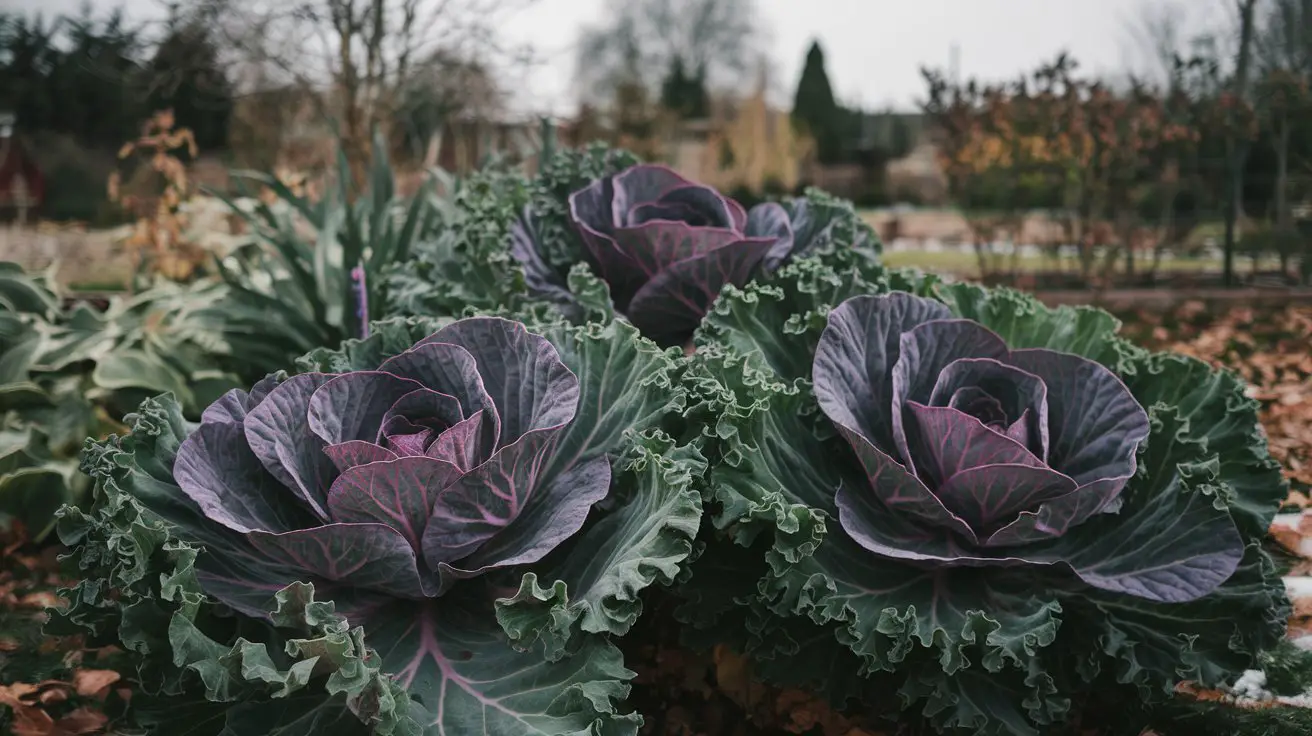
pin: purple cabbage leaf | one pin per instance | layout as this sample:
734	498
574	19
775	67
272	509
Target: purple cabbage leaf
1038	443
404	474
666	246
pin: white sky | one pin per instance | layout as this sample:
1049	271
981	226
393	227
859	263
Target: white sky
873	48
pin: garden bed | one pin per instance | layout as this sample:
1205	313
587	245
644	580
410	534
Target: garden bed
473	484
58	686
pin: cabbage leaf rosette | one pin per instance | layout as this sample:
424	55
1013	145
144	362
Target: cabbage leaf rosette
993	506
479	501
665	246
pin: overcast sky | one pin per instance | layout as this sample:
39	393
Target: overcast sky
874	48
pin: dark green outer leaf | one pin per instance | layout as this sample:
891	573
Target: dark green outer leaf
641	542
453	659
33	495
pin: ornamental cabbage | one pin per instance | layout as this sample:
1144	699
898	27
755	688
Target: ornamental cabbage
436	490
663	246
978	455
997	509
666	246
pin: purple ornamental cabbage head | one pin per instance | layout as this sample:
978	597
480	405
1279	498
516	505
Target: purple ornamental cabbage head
401	480
977	454
666	246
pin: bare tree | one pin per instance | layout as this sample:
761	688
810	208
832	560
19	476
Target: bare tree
1237	145
642	39
1161	36
1285	37
1284	53
357	60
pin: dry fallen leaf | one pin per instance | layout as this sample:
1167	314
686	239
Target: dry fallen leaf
81	721
53	695
802	712
1294	533
733	676
1205	694
32	721
14	695
19	538
94	683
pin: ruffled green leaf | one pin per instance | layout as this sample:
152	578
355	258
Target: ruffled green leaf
1025	322
590	293
643	541
771	320
990	617
986	704
1222	422
455	662
469	267
769	474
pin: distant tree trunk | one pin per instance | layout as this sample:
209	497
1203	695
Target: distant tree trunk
352	133
1236	146
1127	228
1166	222
1283	214
1284	219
